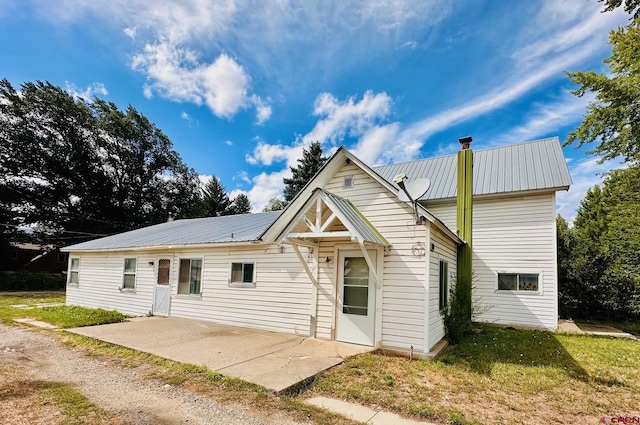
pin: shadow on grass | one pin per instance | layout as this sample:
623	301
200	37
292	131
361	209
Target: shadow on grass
481	352
25	388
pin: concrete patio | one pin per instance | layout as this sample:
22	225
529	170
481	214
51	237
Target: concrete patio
270	359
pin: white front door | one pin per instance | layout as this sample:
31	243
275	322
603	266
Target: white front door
356	299
162	293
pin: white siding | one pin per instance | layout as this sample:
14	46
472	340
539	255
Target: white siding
279	302
100	279
512	235
444	250
403	274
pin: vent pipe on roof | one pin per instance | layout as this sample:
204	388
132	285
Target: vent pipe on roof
465	142
170	218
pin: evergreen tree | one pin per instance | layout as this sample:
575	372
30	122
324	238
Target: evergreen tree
310	163
274	204
215	199
612	119
241	204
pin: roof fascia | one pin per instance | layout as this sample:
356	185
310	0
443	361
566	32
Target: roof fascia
166	247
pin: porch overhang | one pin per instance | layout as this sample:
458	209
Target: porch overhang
325	216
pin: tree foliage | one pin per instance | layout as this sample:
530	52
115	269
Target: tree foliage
613	118
632	7
274	204
215	198
241	204
81	169
310	163
599	259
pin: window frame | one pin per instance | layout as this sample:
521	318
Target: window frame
443	284
13	254
179	285
519	273
126	273
243	284
63	257
71	272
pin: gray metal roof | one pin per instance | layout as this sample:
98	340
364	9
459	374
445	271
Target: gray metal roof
197	231
532	165
357	223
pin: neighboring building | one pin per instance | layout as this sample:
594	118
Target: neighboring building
32	258
348	259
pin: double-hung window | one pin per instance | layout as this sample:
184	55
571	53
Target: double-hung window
129	274
523	282
190	276
243	274
74	270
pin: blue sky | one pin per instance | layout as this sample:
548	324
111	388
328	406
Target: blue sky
241	87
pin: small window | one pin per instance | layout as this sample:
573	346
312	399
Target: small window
74	270
243	274
13	255
518	282
444	285
129	278
190	276
347	182
62	257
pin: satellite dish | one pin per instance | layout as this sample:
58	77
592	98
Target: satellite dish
416	189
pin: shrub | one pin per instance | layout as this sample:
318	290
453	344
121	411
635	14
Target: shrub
27	281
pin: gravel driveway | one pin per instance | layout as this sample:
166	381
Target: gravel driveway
120	391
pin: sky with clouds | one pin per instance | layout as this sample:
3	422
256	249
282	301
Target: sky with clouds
241	87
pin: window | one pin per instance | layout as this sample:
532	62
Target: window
518	282
243	274
129	278
444	284
13	255
62	257
190	276
347	182
74	269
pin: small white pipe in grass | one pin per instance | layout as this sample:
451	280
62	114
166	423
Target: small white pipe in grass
411	353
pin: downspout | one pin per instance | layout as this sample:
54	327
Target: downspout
464	220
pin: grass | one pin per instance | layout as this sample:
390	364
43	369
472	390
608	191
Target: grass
75	407
500	376
61	316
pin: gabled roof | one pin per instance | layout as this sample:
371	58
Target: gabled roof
536	165
358	227
322	177
241	228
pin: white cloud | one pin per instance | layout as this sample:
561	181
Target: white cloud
176	73
266	154
546	118
130	32
242	176
263	110
92	90
585	174
265	187
228	142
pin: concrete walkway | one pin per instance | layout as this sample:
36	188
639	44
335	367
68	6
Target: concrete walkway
589	329
270	359
362	413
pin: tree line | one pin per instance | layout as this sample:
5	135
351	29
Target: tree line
599	257
76	170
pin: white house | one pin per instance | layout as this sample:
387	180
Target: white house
348	259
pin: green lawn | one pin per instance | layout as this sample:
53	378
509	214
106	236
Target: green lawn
500	376
61	316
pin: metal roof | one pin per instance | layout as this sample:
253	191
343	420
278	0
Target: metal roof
534	165
196	231
356	222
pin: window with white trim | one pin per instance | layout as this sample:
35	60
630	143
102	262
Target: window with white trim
129	274
243	274
190	276
444	285
523	282
74	270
